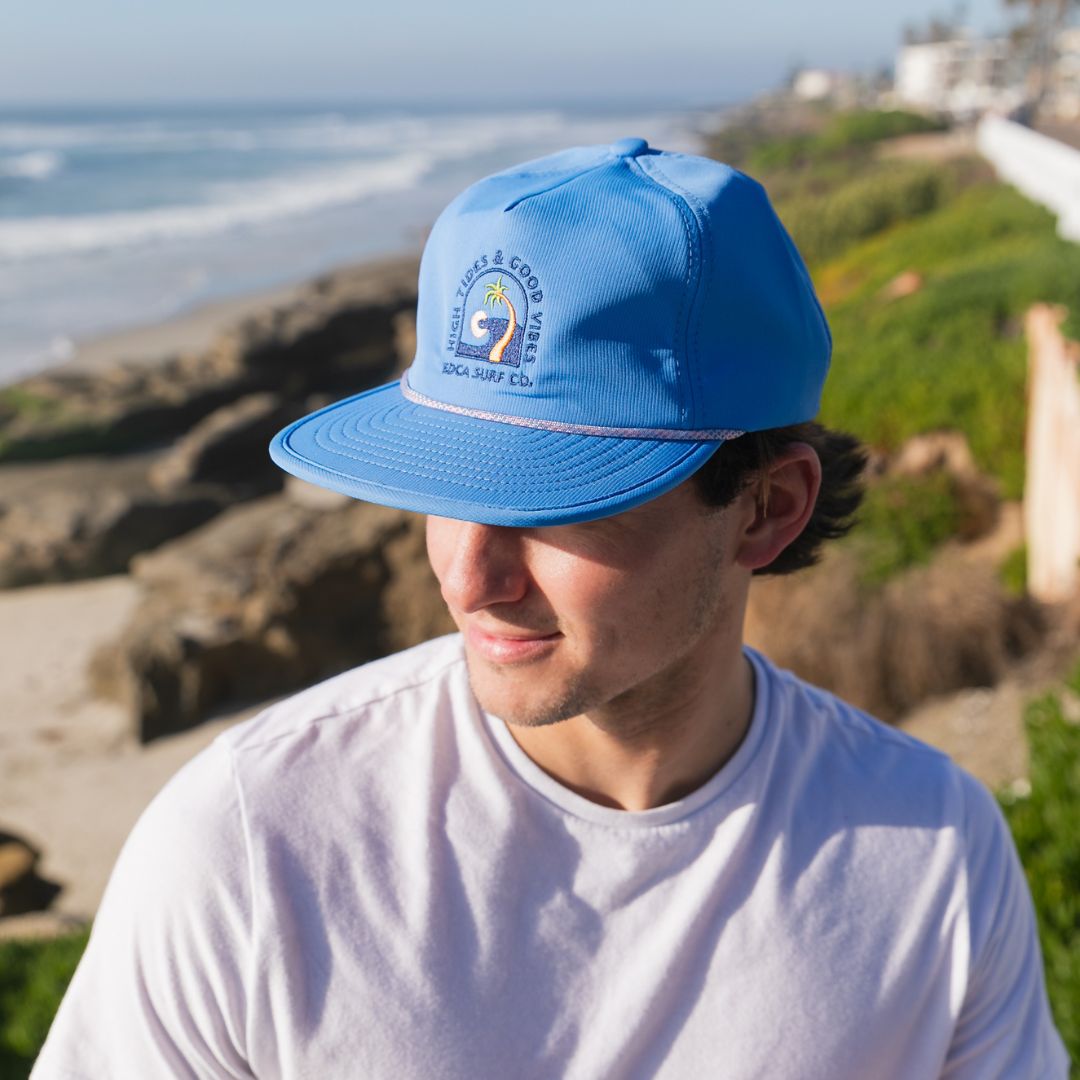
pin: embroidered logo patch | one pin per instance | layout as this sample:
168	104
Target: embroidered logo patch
496	316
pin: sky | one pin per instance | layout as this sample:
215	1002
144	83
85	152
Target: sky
681	52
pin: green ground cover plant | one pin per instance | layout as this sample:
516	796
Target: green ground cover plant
15	400
859	127
952	355
1044	817
33	978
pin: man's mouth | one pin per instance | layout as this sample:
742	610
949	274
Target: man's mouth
510	645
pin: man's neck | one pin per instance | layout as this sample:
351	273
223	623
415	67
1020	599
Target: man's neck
663	743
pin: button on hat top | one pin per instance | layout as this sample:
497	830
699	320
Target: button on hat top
629	147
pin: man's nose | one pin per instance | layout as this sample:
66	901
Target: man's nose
485	566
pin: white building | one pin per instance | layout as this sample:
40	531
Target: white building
813	84
962	77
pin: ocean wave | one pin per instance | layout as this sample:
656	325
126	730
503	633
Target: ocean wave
141	137
35	165
322	132
240	205
377	155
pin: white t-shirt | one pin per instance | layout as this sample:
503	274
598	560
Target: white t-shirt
372	880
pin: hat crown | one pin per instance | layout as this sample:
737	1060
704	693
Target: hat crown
618	288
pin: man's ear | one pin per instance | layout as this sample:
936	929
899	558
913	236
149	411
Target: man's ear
785	493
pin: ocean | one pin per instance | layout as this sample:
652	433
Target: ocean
117	217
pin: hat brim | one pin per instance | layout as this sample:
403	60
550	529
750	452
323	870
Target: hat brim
382	448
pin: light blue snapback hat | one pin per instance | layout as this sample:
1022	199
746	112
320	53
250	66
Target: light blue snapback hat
591	327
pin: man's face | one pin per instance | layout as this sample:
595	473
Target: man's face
569	619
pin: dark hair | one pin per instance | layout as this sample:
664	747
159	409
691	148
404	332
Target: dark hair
735	465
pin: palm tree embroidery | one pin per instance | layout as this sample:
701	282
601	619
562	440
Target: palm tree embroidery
495	294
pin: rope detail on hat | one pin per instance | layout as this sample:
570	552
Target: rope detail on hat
703	435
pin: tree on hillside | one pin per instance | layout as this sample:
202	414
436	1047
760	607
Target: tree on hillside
939	28
1045	19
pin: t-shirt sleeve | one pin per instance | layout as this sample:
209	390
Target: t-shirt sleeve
160	990
1005	1028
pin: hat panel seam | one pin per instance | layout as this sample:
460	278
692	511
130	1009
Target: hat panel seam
804	272
697	212
679	199
552	181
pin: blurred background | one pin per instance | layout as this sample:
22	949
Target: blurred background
210	223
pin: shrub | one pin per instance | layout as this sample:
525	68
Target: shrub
33	978
17	401
1045	822
864	126
825	225
845	134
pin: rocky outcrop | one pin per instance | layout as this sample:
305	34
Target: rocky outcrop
88	517
269	597
930	631
229	448
22	889
340	335
254	593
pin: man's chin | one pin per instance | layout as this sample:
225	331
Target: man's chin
518	699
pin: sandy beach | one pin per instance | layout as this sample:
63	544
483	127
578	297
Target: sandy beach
72	777
186	332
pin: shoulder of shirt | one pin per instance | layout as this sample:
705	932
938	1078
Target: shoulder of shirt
839	727
354	692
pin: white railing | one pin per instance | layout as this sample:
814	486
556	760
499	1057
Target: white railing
1042	168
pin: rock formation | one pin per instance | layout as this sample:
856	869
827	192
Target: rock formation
269	597
22	889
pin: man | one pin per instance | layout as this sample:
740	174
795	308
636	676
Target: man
593	835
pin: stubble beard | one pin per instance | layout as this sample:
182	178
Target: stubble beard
576	697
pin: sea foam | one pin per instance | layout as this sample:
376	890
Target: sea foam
35	165
241	204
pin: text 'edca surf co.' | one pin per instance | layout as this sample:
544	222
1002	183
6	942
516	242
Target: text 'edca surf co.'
496	321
